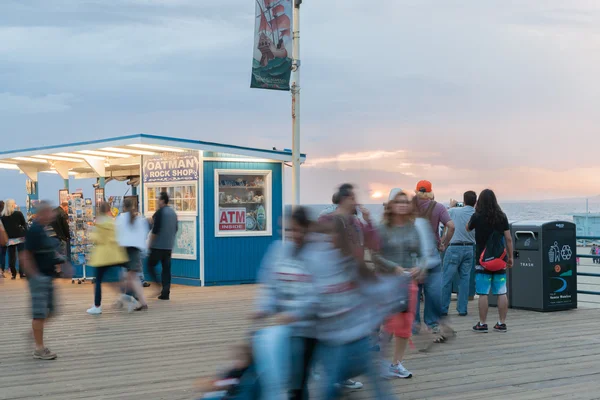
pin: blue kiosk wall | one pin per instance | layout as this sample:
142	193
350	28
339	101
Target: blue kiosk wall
235	260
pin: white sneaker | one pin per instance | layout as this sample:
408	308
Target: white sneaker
349	384
132	305
95	310
399	371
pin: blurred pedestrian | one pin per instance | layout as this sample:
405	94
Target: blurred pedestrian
62	230
288	294
346	317
364	234
162	240
39	260
16	228
132	234
406	246
437	215
2	244
460	255
106	252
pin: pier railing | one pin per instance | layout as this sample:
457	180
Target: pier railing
588	271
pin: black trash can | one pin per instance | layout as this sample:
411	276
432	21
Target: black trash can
544	275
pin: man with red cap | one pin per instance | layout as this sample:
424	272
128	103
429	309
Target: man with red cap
438	216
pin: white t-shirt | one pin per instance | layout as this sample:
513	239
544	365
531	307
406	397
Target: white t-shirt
132	235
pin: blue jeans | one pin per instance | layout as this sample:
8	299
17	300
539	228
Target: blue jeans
458	259
272	354
432	289
346	361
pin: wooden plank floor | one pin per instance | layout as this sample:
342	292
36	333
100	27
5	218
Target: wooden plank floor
158	354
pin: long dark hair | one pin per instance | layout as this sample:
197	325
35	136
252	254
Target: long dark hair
129	207
488	208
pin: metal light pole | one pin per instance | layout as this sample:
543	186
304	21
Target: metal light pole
295	89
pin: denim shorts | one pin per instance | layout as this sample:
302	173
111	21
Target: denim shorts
43	303
496	283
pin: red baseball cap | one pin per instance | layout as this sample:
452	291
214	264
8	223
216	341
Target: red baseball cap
424	187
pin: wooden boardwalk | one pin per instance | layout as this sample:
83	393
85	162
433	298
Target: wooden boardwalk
158	354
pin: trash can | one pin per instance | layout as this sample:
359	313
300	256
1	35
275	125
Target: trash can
544	275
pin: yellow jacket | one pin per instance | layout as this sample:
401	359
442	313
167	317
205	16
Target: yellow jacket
106	251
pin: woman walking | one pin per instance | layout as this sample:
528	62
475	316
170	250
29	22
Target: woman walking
132	234
16	227
106	252
406	246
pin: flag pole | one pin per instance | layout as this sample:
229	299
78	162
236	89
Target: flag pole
295	89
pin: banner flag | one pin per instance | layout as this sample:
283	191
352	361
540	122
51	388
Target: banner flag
272	62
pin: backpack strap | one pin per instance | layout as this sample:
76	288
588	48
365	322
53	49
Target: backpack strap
427	214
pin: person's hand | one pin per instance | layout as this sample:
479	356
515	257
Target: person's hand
510	262
418	274
399	270
453	203
67	270
366	214
442	247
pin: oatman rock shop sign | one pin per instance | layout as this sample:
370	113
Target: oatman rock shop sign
171	167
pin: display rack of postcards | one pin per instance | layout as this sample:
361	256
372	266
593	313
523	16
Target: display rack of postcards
81	221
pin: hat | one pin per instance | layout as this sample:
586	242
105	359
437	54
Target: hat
393	193
424	187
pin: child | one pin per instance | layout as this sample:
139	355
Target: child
239	382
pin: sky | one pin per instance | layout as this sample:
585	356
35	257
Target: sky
501	94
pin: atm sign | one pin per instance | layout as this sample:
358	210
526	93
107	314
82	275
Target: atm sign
232	219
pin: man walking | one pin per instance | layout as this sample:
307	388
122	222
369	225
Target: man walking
438	216
162	239
40	258
459	256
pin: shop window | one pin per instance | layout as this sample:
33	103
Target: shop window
182	197
243	203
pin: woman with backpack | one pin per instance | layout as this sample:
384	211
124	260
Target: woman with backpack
16	227
494	254
406	247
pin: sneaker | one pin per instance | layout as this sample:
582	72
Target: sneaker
480	328
44	354
146	284
161	297
95	310
132	305
118	304
500	327
349	384
399	371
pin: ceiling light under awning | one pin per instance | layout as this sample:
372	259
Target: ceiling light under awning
9	166
157	148
103	153
28	159
129	151
58	158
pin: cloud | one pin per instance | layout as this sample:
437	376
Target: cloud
20	104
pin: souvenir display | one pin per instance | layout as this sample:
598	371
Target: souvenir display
182	197
242	202
81	220
63	196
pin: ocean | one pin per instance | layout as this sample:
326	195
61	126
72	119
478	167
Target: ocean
515	211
